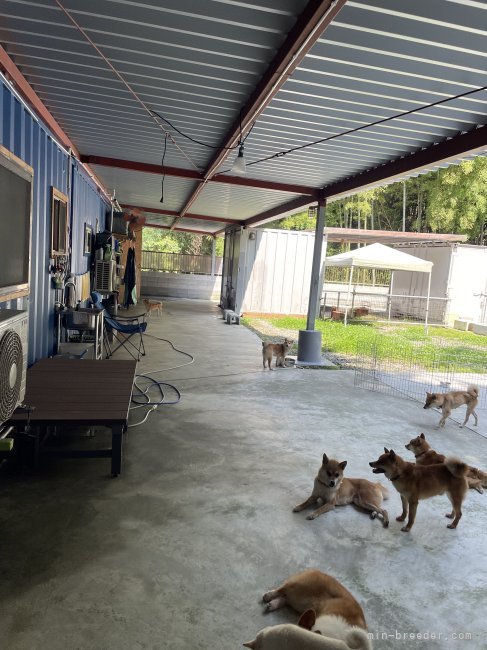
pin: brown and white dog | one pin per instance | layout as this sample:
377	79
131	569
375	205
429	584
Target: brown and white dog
424	455
415	482
279	350
327	609
153	306
452	400
332	489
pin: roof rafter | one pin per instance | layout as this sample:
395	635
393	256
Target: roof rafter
309	26
191	174
174	213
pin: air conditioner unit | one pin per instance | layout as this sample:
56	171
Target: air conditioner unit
105	276
13	360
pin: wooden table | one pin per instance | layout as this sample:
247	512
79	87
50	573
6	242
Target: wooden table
81	392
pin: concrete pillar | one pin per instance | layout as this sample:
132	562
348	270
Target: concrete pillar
309	343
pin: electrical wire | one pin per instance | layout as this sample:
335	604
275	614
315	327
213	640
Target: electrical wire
205	144
163	169
141	396
279	154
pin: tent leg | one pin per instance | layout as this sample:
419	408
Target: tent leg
390	296
427	305
348	296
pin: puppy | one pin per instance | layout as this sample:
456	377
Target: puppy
280	350
424	455
415	482
452	400
153	306
332	489
326	608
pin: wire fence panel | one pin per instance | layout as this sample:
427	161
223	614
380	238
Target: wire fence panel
379	304
409	369
365	277
180	263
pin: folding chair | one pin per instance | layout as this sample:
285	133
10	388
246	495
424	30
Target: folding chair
124	331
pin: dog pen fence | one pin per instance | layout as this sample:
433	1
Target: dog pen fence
401	368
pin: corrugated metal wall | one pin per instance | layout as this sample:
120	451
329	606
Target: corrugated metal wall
277	271
28	139
87	208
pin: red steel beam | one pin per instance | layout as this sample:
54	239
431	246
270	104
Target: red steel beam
151	168
309	26
472	142
22	86
174	213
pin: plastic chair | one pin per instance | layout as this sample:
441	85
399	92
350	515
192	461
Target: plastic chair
124	331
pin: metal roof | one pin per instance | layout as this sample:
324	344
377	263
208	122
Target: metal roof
301	70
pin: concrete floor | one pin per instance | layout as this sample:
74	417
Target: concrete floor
178	550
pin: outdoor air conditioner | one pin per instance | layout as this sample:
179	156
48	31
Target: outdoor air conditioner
13	360
104	275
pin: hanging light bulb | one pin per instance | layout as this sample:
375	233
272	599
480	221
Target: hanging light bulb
239	164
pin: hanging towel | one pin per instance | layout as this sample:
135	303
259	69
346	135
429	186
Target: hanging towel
129	279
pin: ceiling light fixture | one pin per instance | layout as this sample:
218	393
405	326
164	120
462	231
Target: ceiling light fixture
239	166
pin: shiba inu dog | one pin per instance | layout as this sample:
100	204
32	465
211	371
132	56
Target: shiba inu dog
332	489
153	306
278	349
330	617
415	482
424	455
452	400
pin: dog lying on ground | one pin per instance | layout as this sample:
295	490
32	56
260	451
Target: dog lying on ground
153	306
330	617
280	351
332	489
415	482
452	400
424	455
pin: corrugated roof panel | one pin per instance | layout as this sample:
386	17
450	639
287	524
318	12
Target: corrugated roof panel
135	188
197	63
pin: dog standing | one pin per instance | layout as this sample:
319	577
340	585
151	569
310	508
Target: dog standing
424	455
280	351
452	400
153	306
332	489
415	482
326	609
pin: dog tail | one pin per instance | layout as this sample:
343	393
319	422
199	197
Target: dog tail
359	639
384	490
456	466
473	390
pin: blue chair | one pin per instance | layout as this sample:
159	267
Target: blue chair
124	331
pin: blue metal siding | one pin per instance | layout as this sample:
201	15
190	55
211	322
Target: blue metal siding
28	139
88	208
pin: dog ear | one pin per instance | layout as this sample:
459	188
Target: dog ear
392	453
343	465
386	451
307	619
325	459
421	435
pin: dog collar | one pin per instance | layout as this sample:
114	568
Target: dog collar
421	454
394	478
324	484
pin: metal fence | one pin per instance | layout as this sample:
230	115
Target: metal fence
379	304
180	263
401	368
366	277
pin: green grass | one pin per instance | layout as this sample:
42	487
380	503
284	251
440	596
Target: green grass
395	342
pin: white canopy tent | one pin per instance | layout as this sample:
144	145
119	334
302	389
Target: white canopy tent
378	256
